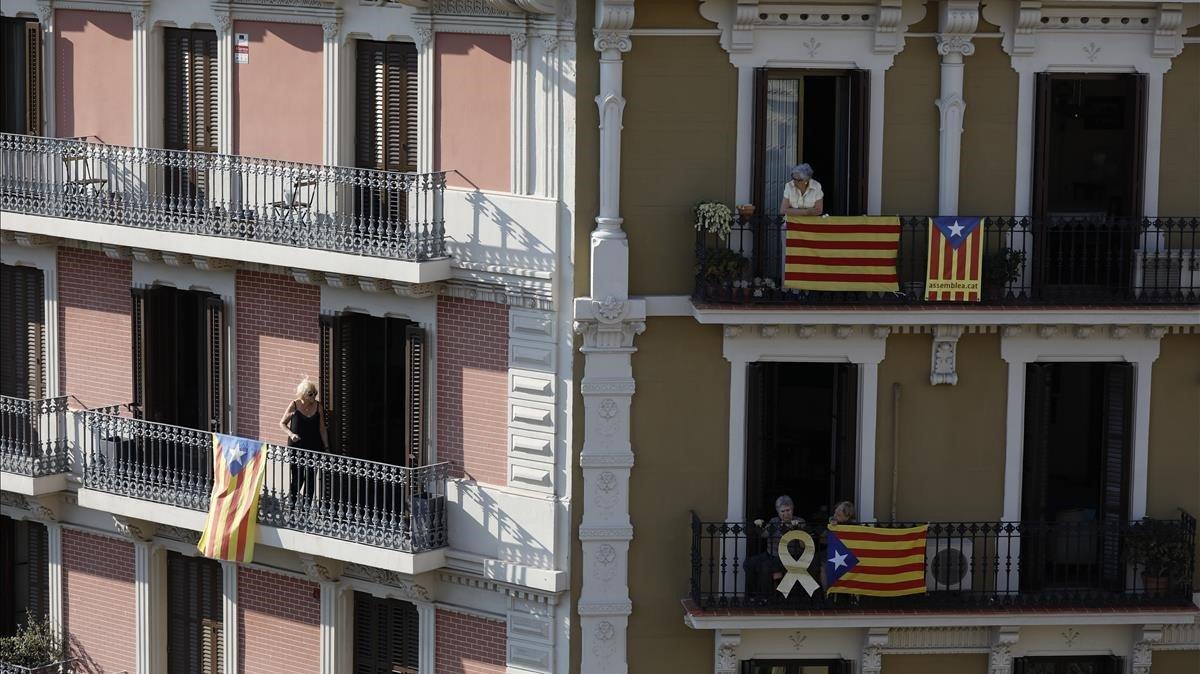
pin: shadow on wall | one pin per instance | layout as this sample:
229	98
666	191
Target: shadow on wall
518	246
514	542
79	21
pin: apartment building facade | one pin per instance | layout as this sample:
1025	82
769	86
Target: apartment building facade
204	203
1046	433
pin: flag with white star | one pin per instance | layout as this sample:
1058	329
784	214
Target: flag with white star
955	260
876	561
238	471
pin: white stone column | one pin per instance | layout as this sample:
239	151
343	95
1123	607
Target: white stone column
425	80
1014	449
1139	463
141	77
1000	656
1143	648
957	22
868	415
327	574
1022	202
149	577
608	321
735	493
547	96
45	12
427	628
331	99
745	137
875	143
519	113
229	614
725	660
54	561
224	26
1154	112
872	653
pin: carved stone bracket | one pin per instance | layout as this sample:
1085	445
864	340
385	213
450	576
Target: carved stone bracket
135	529
873	646
614	18
1000	657
46	509
943	367
726	658
957	21
321	569
400	586
1143	648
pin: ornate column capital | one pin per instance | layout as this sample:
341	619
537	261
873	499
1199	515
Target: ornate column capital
957	20
873	646
1000	657
330	29
726	659
614	18
45	11
1143	648
223	23
609	324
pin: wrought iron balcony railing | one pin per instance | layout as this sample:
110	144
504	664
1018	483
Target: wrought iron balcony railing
348	210
968	565
1026	261
33	436
326	494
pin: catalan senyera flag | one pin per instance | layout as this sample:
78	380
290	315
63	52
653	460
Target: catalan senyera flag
955	259
841	253
875	561
238	470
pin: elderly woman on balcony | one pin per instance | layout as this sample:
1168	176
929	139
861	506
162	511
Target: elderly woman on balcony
304	422
802	195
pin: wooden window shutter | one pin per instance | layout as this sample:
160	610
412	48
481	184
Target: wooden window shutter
860	136
33	78
138	340
190	90
1041	158
386	636
1137	104
195	631
22	333
386	106
344	333
39	569
326	378
846	427
214	340
405	637
1116	389
174	112
414	394
758	158
412	131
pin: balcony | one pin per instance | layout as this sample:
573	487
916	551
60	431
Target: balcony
383	215
329	495
970	567
33	444
1027	262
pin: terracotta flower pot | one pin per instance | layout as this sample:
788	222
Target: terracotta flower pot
746	210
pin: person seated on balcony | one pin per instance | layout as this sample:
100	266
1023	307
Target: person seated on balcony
764	570
304	422
843	513
802	195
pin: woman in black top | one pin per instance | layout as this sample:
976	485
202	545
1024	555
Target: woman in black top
305	425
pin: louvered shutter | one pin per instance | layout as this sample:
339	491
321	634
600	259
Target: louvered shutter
38	569
195	631
386	636
138	341
22	331
1041	158
846	430
190	90
33	78
1036	537
386	102
326	378
214	354
414	394
758	161
344	333
1116	392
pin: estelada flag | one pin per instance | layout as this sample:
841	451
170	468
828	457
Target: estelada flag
875	561
955	259
841	253
238	471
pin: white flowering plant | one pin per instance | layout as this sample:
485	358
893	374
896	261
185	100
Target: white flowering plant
714	217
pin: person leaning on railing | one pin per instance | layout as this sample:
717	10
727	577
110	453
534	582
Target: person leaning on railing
304	422
764	570
802	195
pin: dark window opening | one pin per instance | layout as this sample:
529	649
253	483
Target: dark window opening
179	357
195	615
190	105
1094	664
386	636
796	667
24	572
22	332
1076	475
385	123
20	76
819	118
802	437
372	377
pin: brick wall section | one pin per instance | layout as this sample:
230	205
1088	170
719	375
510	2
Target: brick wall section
468	644
472	380
279	623
95	350
278	342
99	603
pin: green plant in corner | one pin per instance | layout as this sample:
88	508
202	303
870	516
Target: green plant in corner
720	266
1160	551
1001	268
34	646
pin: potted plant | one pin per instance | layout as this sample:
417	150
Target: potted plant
720	269
1159	550
1001	268
714	217
36	647
746	211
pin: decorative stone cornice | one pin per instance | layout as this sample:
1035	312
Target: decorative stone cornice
179	534
944	355
1143	647
321	569
398	585
609	324
135	529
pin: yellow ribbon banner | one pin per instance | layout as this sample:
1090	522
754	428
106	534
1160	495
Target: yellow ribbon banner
797	569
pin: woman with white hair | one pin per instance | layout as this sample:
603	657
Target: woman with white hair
802	195
304	422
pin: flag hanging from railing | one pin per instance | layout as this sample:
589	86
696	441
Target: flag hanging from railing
842	253
238	471
875	561
955	259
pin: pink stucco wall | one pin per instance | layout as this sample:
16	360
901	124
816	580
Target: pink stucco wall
277	99
93	54
471	104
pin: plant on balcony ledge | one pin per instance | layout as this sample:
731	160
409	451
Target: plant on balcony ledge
720	267
34	648
1000	269
714	217
1160	550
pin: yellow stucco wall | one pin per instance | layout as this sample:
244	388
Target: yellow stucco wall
1174	477
670	14
987	178
1175	662
677	148
951	437
910	130
680	438
1179	180
935	664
